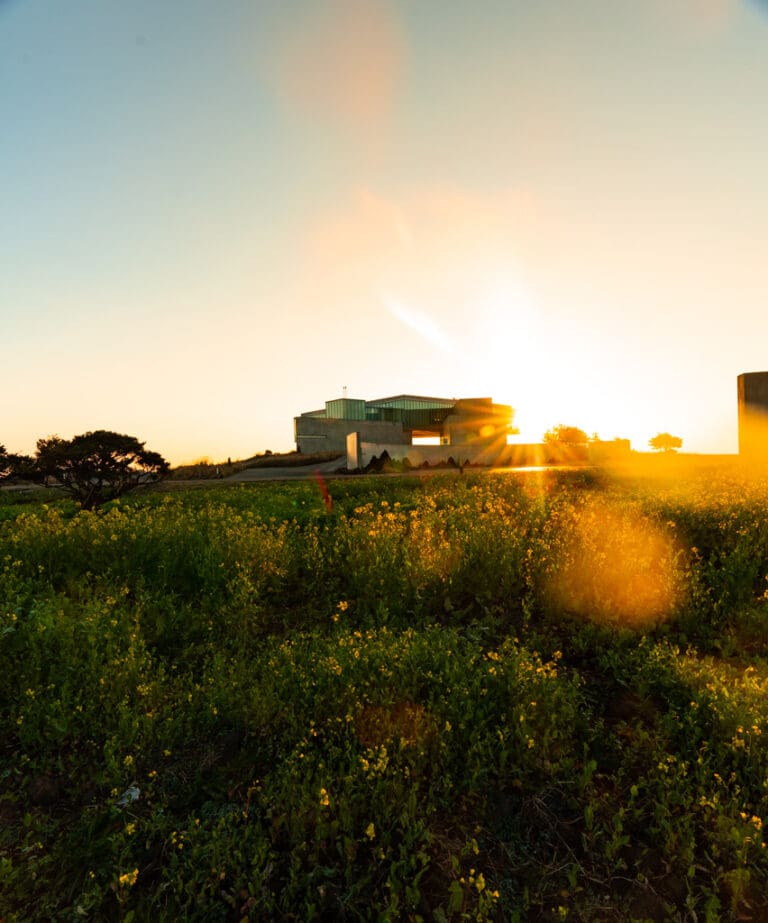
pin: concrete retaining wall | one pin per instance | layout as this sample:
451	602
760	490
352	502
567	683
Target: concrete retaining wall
509	456
317	434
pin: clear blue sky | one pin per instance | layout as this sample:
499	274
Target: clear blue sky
217	215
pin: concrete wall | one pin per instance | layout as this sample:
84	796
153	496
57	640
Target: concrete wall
510	456
608	451
316	434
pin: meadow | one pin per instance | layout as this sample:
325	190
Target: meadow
479	697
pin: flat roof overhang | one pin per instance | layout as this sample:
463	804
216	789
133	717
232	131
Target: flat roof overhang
424	432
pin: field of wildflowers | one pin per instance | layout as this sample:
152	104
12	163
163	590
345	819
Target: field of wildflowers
483	697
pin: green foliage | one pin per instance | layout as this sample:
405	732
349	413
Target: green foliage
231	703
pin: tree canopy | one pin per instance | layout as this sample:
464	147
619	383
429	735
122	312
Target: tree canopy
6	464
565	435
13	465
98	466
665	442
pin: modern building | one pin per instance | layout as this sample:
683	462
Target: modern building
398	420
753	414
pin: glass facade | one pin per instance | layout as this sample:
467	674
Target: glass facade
412	402
345	408
412	411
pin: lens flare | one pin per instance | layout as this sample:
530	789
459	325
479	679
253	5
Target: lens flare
614	564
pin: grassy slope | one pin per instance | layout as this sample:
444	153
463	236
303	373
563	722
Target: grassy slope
210	470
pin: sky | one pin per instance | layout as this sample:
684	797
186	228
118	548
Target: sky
215	216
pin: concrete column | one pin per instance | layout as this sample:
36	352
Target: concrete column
354	459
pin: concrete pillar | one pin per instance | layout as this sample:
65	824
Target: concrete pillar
354	457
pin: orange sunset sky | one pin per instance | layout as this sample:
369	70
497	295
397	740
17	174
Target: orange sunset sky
218	215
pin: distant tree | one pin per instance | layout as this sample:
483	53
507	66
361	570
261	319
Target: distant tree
565	435
13	465
6	464
665	442
99	466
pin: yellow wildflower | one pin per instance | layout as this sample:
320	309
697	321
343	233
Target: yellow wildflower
129	878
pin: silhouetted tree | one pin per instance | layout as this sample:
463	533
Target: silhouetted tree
6	464
565	435
14	465
99	466
665	442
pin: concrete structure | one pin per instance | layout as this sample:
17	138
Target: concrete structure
752	389
396	421
606	451
507	456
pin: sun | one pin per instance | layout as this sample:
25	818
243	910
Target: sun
512	356
547	365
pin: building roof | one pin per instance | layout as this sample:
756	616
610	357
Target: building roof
414	397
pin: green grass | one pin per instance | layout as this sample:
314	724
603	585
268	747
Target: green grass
477	698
